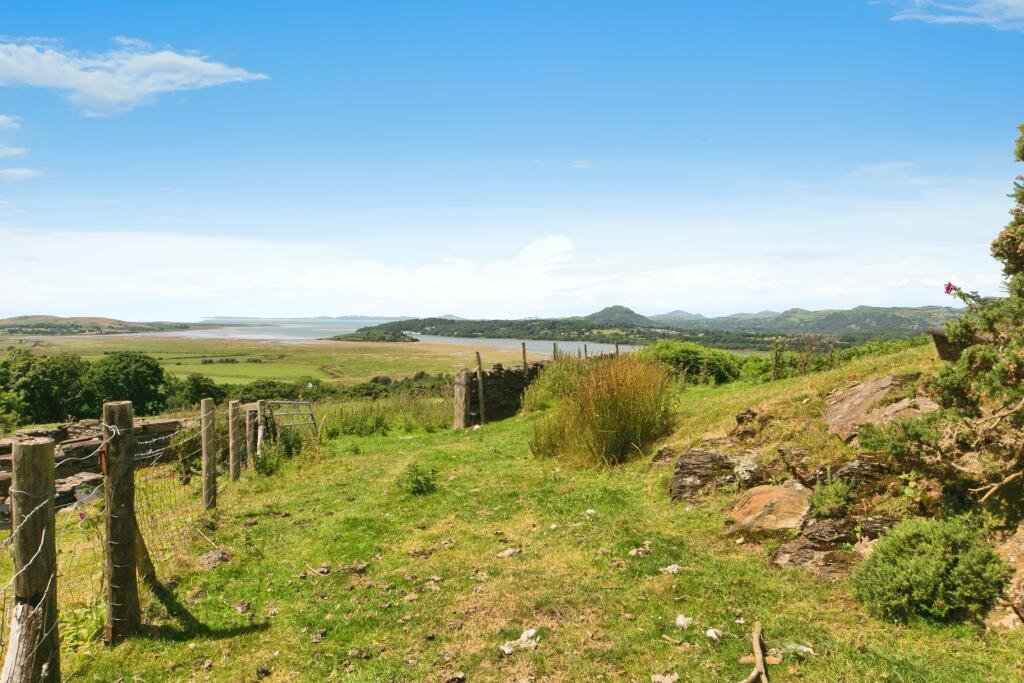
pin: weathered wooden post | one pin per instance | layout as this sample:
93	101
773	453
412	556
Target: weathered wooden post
524	355
616	348
480	387
251	435
586	354
209	455
460	389
33	647
261	425
123	612
235	440
554	350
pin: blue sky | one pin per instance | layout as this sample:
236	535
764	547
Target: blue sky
502	159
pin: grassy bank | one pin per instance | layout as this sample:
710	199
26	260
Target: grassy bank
436	598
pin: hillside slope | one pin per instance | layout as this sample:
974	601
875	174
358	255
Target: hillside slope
56	325
440	591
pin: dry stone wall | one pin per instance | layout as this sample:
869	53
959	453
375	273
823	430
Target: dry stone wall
503	393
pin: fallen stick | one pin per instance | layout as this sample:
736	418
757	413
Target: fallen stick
760	672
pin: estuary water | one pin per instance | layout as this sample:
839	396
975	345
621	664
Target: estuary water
307	330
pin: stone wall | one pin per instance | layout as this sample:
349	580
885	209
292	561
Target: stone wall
503	393
75	453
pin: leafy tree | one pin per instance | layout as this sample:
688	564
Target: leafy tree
11	410
188	392
129	376
53	388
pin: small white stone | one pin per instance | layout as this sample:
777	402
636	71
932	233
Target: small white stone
683	621
713	634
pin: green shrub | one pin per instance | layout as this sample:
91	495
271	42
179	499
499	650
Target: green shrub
831	499
694	363
417	480
614	411
903	437
269	458
935	569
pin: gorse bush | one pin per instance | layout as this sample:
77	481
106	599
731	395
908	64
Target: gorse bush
902	438
417	480
695	363
610	413
936	569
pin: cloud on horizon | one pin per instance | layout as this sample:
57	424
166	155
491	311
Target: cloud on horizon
545	277
1005	15
106	83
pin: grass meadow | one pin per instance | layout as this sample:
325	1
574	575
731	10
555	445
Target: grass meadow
338	573
342	362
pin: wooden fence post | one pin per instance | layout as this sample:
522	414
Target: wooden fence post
33	647
261	425
251	429
235	437
461	392
480	387
524	355
554	350
586	354
209	455
616	348
123	612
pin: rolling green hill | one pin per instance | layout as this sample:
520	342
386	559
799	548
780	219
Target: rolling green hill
56	325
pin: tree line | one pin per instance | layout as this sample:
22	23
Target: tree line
45	388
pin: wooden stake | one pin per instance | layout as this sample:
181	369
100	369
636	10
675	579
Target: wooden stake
33	648
480	387
554	350
616	348
235	438
586	354
251	428
524	355
209	455
460	391
123	612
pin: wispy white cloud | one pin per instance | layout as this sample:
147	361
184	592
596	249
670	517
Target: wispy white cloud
6	151
546	276
9	122
19	173
1006	15
102	83
582	164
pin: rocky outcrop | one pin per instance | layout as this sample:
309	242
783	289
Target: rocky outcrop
824	549
770	509
697	471
862	403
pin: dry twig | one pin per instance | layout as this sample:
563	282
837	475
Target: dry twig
760	672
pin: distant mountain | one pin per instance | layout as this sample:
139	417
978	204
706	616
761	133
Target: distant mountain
754	316
675	317
450	316
859	321
620	315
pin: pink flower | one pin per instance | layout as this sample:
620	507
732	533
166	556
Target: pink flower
81	516
950	288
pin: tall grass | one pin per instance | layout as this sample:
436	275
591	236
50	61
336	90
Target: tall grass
608	410
403	412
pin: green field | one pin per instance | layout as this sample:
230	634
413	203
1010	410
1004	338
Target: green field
437	599
343	362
